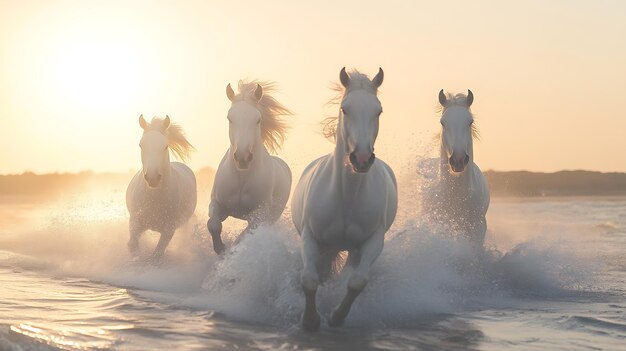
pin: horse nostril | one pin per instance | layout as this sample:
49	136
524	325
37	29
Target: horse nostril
353	158
466	160
145	176
371	160
158	177
249	158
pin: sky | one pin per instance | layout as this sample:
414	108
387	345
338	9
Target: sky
548	77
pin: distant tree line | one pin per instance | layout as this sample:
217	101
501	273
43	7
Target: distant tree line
518	183
563	183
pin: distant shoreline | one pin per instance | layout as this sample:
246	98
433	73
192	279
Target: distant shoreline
556	184
514	184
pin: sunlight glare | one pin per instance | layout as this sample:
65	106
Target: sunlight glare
95	74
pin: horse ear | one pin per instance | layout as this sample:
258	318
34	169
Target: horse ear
470	98
344	78
443	100
378	80
230	93
258	92
142	122
166	122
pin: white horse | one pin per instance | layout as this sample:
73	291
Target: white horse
464	195
162	196
251	184
346	200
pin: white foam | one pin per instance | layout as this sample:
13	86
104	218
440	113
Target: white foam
424	268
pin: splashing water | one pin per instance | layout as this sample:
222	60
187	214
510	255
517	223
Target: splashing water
547	260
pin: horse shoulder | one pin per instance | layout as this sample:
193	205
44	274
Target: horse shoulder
303	195
282	178
224	179
132	192
317	173
283	166
390	173
391	193
481	186
184	171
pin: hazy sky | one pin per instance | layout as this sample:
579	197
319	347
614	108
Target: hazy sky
549	77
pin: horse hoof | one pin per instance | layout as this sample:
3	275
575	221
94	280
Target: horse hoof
219	248
155	259
311	323
335	320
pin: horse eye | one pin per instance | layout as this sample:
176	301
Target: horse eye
259	121
343	110
165	148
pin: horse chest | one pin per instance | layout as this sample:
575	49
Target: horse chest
343	227
244	197
157	213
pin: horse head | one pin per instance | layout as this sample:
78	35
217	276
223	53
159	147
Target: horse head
457	128
360	112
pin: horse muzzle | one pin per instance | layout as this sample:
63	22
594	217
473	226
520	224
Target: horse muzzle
152	181
362	161
242	162
458	162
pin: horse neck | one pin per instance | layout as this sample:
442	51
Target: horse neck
339	154
348	181
261	155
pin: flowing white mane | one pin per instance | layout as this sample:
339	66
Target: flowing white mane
273	126
358	80
176	141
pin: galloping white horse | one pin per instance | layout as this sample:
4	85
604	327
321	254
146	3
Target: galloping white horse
251	184
464	195
162	196
346	200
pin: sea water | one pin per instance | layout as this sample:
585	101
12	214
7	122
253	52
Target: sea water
552	277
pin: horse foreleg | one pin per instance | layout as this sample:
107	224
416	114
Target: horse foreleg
135	231
214	225
164	240
480	232
310	280
370	251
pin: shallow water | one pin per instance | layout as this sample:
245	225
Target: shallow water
553	277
